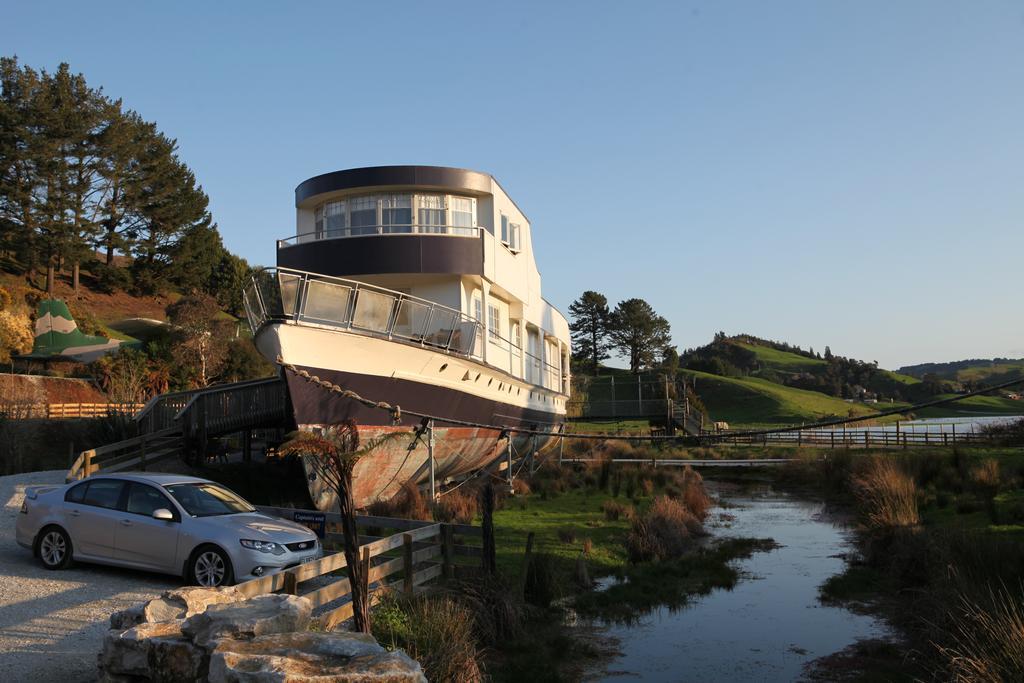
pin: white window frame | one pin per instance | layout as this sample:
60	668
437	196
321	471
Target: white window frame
494	322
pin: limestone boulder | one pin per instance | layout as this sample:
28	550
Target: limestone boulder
126	653
262	615
126	618
176	659
308	657
182	603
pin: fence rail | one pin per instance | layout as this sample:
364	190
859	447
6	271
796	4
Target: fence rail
127	454
422	545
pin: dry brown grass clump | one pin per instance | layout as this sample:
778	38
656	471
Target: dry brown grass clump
520	487
695	497
986	475
886	495
613	510
408	503
457	507
987	642
662	532
647	486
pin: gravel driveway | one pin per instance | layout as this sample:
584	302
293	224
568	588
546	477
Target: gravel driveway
52	622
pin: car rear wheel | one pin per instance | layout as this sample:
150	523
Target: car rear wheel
210	567
55	548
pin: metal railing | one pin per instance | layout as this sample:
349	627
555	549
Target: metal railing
375	230
299	297
283	294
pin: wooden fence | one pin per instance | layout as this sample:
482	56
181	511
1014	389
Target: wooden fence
58	411
419	551
861	438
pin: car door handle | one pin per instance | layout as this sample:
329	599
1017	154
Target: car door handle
74	513
126	522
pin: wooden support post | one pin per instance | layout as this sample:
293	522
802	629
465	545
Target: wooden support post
88	461
954	433
832	435
407	562
430	460
945	439
142	454
291	585
247	445
508	459
71	454
867	437
447	551
561	445
526	565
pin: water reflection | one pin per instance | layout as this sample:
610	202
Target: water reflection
771	623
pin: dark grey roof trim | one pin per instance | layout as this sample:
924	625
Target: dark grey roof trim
433	176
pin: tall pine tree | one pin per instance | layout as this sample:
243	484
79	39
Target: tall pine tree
589	327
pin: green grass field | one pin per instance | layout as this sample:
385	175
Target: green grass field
783	361
973	406
750	400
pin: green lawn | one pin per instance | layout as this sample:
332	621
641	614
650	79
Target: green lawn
975	405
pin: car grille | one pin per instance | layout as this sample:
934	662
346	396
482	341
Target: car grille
300	546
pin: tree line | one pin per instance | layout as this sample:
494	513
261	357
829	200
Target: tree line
84	179
632	329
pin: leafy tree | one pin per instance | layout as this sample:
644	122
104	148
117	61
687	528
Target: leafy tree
333	454
638	332
243	362
589	327
124	376
201	340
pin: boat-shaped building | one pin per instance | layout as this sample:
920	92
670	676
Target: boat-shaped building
417	286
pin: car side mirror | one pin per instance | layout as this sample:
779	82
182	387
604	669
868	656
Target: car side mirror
164	514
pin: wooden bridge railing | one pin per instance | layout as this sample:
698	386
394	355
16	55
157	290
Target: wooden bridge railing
132	453
232	407
428	551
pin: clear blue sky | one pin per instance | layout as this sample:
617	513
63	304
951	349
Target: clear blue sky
849	174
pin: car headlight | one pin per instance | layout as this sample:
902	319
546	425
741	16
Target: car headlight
263	546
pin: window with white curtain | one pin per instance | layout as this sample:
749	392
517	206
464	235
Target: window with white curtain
493	321
396	213
463	215
363	216
334	219
431	213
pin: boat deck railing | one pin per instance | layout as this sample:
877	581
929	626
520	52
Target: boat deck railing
299	297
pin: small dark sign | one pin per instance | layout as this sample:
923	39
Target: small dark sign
317	521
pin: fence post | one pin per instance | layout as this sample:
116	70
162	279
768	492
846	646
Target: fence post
508	459
407	562
867	437
291	584
526	565
142	454
488	559
832	435
430	460
446	551
954	433
88	461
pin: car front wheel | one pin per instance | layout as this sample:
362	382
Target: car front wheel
210	567
55	548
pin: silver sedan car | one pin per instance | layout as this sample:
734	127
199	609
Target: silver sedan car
161	522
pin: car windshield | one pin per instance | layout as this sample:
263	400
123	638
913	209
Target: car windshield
205	499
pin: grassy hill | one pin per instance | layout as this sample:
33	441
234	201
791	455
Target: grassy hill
783	361
751	400
984	371
974	406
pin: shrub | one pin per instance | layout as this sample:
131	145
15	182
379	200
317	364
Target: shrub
541	587
437	632
986	476
588	545
886	496
647	486
408	503
499	615
662	532
457	507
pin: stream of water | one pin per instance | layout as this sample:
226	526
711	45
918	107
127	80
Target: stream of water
771	624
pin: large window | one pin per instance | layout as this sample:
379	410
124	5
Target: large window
334	219
431	216
396	213
463	216
363	217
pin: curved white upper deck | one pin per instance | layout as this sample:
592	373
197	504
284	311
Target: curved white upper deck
448	236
